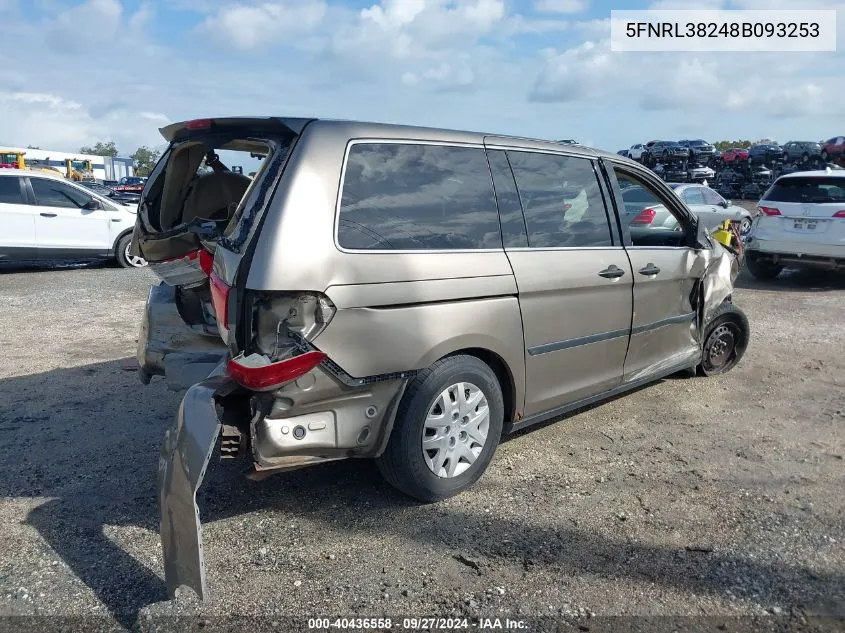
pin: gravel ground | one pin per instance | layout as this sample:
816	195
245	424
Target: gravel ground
693	497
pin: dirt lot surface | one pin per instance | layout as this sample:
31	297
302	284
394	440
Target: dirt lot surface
693	497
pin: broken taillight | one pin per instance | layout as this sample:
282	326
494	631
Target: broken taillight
646	216
206	261
220	300
258	373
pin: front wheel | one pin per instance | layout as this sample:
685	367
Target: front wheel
725	340
126	259
447	428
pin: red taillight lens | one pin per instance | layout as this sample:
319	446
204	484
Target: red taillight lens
839	214
646	216
206	261
220	299
769	211
188	257
198	124
273	375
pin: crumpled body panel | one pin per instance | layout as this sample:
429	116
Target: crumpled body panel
722	268
185	454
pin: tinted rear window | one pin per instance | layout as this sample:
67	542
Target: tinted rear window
807	189
561	199
10	190
402	196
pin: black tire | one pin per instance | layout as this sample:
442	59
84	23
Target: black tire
403	465
725	340
805	157
764	271
825	156
120	253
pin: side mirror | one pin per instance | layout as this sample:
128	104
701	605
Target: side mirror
92	205
726	203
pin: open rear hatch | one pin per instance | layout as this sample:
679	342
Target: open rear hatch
191	196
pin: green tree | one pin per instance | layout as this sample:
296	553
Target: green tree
723	145
144	159
100	149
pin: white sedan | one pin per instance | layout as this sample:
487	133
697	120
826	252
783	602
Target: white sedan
801	224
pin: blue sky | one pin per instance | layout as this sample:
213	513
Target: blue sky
76	71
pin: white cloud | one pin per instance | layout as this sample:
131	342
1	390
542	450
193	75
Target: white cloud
451	63
92	23
767	84
247	27
561	6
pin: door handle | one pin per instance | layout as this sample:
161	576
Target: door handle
650	269
612	272
48	215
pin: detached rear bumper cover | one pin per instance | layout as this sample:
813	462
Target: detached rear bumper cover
167	346
185	454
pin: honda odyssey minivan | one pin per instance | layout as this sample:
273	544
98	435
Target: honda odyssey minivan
409	295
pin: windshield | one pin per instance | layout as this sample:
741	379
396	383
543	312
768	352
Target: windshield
814	189
698	143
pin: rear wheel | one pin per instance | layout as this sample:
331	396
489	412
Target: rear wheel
725	340
762	270
825	156
447	428
126	259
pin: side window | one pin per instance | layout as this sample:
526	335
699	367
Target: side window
711	197
694	195
646	214
561	199
10	191
403	196
510	210
53	193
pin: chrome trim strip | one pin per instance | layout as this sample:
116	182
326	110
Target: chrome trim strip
557	346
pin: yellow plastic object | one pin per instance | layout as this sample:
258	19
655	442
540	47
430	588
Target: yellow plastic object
723	234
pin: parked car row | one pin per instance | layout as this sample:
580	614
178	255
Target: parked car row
699	150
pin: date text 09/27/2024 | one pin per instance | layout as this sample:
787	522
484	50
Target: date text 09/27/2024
417	624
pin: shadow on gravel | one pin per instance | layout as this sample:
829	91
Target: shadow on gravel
791	280
37	267
89	437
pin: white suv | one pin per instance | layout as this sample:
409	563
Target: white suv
801	223
46	217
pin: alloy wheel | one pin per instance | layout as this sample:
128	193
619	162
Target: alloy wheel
133	260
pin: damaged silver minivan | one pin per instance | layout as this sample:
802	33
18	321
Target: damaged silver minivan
405	294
